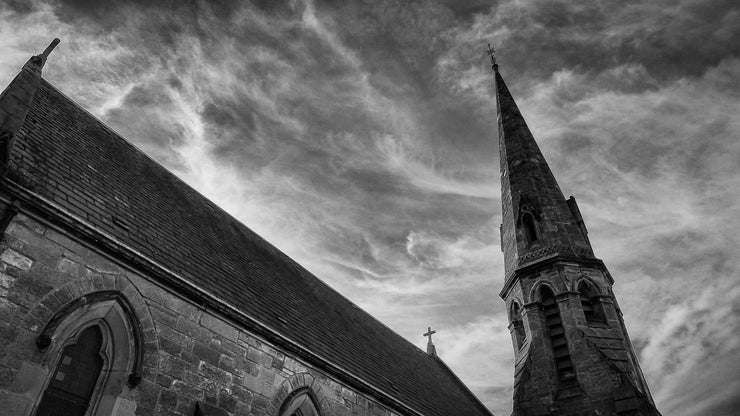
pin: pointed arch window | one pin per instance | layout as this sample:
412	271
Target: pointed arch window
77	373
556	333
529	227
590	303
93	348
300	403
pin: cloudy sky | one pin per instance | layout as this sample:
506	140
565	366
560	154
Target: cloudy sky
359	138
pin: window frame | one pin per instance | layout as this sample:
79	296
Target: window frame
120	348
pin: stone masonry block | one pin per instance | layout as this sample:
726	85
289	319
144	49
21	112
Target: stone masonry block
294	366
40	249
6	281
172	366
170	347
69	267
100	264
206	353
231	347
22	233
194	330
209	409
227	363
164	380
260	402
64	241
147	395
168	399
219	326
16	259
226	401
253	384
248	340
29	223
214	373
242	409
162	315
187	390
241	394
173	335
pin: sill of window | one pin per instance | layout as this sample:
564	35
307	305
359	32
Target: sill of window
598	325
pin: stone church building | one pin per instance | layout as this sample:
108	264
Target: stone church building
125	292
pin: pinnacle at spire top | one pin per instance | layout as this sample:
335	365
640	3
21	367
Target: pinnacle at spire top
492	53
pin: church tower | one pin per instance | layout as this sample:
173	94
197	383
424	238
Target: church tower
572	352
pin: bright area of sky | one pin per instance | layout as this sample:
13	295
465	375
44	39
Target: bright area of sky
360	138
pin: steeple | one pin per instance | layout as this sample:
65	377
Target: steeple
537	219
573	355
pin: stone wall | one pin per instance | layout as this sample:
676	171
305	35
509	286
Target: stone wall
608	379
190	354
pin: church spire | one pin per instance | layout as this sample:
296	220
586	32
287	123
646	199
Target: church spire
572	351
537	219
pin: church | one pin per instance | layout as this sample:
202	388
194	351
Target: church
125	292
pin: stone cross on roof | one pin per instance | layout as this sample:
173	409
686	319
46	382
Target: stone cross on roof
430	346
492	53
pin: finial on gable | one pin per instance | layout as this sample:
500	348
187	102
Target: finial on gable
15	102
40	60
431	350
492	53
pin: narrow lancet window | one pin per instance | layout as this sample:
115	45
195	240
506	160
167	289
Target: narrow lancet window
517	327
530	229
556	334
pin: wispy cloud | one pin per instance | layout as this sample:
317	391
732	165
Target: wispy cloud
360	139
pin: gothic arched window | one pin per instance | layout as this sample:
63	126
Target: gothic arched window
529	227
93	350
76	375
300	403
590	303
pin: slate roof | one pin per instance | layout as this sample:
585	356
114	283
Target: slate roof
64	154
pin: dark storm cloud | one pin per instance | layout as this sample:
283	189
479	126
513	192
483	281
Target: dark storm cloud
668	39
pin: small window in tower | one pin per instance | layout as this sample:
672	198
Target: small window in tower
530	229
517	327
592	308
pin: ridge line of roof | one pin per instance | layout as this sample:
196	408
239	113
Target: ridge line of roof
53	209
